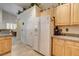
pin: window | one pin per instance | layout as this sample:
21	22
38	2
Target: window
11	26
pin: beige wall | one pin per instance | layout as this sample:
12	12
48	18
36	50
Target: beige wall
72	29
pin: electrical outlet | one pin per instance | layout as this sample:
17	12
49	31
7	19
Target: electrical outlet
67	29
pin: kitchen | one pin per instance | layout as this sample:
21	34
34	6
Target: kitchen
49	29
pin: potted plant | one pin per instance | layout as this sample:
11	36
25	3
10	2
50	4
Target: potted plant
32	4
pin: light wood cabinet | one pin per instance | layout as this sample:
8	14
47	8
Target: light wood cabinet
68	48
50	12
59	50
58	47
63	15
75	51
75	14
5	45
1	46
65	48
67	14
71	48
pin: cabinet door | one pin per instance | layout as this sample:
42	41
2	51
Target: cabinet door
75	51
72	14
58	49
58	16
63	15
71	49
54	46
50	12
68	49
7	44
1	46
75	13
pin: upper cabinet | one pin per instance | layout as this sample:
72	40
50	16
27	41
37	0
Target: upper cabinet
75	14
43	13
67	14
63	15
50	12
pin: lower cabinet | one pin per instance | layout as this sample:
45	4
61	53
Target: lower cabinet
75	51
1	46
65	48
68	51
58	48
5	45
71	48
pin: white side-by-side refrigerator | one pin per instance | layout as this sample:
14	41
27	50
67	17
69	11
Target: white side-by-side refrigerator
36	33
42	35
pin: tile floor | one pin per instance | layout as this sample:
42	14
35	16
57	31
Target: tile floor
21	49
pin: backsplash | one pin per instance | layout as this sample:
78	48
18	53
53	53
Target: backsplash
70	29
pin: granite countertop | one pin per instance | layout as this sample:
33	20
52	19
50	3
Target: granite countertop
67	37
5	35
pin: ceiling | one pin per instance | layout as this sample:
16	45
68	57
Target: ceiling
42	5
14	7
23	5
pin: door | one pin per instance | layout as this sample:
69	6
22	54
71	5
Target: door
36	34
45	37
